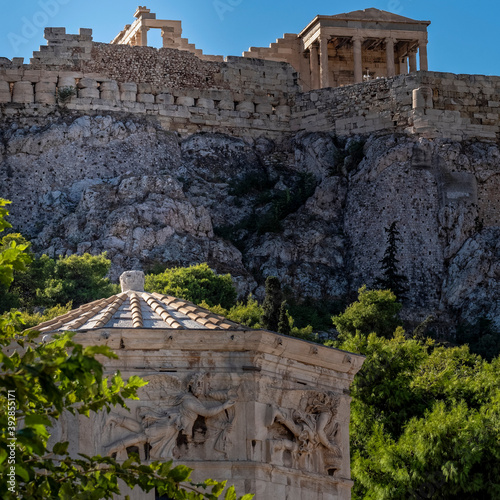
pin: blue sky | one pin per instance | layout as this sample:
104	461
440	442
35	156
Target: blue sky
463	36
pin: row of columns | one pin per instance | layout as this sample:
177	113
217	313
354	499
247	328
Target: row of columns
320	75
141	37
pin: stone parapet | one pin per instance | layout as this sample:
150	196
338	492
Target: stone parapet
185	111
427	104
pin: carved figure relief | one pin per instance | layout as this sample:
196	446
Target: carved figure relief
305	438
178	419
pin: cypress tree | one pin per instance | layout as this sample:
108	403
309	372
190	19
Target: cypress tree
391	279
284	324
272	304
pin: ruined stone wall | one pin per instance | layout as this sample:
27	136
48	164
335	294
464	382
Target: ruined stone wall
27	92
243	96
462	106
255	96
167	67
428	104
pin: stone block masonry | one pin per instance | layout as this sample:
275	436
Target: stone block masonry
25	92
426	104
242	96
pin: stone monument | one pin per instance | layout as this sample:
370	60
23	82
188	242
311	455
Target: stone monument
267	412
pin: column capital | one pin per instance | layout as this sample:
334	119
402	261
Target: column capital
358	38
389	39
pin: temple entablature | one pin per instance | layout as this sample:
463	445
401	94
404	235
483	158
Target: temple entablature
136	34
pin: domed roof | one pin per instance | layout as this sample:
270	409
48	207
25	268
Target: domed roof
134	308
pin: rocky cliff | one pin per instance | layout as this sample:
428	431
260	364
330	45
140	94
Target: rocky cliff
310	209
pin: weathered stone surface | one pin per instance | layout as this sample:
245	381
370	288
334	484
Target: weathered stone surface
143	195
472	284
23	93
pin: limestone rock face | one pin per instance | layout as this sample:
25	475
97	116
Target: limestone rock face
472	285
110	183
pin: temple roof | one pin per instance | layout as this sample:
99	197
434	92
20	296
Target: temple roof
374	15
134	308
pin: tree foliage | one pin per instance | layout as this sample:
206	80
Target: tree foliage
250	314
272	304
391	279
374	311
425	420
13	255
481	336
196	283
47	282
247	313
284	321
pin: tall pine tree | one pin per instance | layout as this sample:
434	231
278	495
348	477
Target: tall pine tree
391	279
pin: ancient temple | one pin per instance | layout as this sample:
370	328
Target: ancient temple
267	412
331	51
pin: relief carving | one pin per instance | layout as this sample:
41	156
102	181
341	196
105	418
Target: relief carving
305	438
177	419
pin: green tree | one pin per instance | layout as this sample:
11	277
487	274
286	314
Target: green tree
41	380
247	313
481	336
284	321
196	283
425	421
49	282
374	311
77	278
13	253
391	279
272	304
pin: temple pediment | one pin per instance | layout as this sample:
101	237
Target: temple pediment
375	15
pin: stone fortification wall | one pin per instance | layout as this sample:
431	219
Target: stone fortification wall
429	104
379	105
28	92
168	67
239	96
242	96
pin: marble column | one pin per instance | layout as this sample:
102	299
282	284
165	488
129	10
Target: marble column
314	66
323	61
142	36
167	39
413	60
358	59
389	48
424	65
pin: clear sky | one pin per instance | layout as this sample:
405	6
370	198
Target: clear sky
463	36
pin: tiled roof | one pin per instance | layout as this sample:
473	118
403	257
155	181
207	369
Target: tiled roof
136	309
